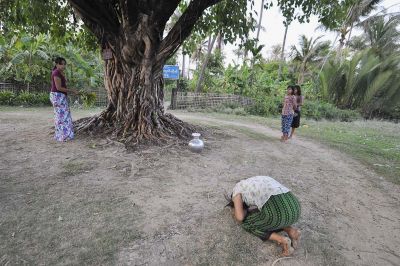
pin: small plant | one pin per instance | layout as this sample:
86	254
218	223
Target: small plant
7	97
88	99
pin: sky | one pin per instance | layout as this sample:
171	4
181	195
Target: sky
274	30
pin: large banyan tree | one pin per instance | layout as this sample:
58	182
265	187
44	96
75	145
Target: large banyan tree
135	31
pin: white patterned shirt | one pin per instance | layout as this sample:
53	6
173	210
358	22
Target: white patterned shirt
257	190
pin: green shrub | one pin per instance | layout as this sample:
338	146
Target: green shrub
88	98
266	106
43	98
319	110
24	98
270	106
7	97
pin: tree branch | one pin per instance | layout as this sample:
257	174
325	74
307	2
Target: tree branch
99	16
164	10
182	28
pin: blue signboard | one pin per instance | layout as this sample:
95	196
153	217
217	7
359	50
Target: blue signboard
171	72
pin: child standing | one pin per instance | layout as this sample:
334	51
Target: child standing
289	105
299	102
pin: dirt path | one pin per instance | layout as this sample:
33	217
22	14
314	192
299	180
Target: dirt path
90	202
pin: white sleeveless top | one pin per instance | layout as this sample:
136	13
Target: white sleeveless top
257	190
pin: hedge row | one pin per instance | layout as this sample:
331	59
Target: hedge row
24	98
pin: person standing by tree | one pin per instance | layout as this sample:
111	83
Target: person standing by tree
299	102
289	105
64	130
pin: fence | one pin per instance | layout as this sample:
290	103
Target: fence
183	100
17	87
179	100
101	96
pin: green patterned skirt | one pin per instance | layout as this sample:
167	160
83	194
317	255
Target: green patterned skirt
278	212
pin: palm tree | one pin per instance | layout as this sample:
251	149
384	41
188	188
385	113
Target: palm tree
276	52
356	11
239	53
28	55
357	43
365	81
199	52
310	52
260	20
211	41
370	80
382	34
350	17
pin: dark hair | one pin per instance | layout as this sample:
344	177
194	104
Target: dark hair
298	88
231	204
229	200
59	61
292	88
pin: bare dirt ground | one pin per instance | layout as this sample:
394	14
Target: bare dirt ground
91	202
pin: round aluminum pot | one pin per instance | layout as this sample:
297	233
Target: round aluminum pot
196	144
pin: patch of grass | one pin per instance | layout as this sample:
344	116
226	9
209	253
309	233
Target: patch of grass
72	168
250	133
375	143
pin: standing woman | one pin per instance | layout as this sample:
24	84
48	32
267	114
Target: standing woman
64	130
299	102
264	207
289	105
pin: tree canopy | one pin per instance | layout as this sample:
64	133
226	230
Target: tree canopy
57	17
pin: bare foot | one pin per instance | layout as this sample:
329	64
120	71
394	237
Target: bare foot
287	249
294	235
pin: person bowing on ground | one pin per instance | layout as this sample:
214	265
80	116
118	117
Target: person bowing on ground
264	207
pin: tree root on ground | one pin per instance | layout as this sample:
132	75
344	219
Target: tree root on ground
167	128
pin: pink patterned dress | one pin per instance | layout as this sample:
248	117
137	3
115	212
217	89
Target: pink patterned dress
64	129
289	105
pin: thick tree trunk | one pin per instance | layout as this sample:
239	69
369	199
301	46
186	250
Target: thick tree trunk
135	113
133	30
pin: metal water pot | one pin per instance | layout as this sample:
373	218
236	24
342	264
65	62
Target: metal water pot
196	144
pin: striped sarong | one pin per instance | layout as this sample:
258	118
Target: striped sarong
278	212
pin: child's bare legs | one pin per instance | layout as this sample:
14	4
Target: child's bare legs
284	137
294	235
284	242
292	132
